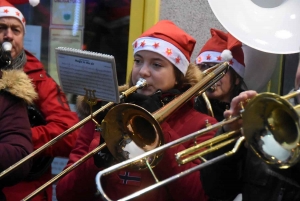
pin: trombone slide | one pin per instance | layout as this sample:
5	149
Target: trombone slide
170	179
66	171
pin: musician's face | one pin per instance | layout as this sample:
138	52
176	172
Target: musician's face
11	30
155	69
223	88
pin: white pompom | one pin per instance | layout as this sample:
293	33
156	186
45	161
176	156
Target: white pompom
34	2
226	55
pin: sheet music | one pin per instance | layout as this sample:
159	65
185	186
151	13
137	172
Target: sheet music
79	70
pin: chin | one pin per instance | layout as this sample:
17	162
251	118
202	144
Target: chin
145	92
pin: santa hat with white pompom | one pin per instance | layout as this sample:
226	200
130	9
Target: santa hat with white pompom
223	47
7	9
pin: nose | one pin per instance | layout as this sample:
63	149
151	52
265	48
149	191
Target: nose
8	35
144	70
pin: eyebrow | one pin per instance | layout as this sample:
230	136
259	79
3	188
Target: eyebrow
153	58
12	25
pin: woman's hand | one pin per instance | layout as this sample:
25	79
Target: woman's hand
237	104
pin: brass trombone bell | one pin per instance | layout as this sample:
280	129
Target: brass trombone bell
271	128
136	137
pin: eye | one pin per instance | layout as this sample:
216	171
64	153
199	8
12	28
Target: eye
157	65
16	30
203	66
136	61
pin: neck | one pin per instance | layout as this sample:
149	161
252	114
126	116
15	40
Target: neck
19	61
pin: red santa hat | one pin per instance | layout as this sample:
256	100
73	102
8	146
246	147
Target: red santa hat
223	47
168	40
7	9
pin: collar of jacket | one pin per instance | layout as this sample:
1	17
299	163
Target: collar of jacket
17	83
32	64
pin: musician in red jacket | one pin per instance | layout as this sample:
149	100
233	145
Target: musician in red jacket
51	103
162	58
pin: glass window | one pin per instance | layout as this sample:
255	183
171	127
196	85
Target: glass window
104	29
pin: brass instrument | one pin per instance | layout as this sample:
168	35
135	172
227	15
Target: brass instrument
127	123
5	55
270	127
141	83
134	118
137	129
212	88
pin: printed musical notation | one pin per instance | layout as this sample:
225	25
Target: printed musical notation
79	70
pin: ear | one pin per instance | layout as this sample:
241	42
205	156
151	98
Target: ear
237	80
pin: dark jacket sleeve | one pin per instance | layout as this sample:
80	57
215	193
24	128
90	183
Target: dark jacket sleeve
223	180
15	138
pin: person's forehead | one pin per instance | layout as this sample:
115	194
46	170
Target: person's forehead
11	20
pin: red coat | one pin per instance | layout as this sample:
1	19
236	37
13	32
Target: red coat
53	105
80	183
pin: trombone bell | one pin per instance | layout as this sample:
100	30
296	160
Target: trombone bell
136	136
271	127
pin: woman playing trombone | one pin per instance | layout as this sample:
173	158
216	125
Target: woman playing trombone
161	57
222	92
245	173
216	50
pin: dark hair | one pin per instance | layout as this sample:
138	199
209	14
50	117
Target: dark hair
236	89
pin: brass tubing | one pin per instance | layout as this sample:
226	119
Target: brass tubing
207	151
54	140
170	179
207	144
140	84
291	95
165	111
66	171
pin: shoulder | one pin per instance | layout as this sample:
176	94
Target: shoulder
33	65
17	83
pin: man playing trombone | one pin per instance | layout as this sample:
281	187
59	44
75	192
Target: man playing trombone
51	102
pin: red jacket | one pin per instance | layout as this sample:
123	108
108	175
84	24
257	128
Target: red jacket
54	107
80	185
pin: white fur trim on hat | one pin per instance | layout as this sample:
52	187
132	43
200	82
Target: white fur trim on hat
164	48
9	11
216	57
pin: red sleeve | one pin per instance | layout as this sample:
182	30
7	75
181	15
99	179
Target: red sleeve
53	105
80	184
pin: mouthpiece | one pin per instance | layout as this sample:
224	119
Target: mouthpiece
212	88
6	46
5	55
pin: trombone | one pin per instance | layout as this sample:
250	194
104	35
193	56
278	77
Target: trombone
141	83
113	134
270	127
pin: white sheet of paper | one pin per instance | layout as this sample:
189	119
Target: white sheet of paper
79	70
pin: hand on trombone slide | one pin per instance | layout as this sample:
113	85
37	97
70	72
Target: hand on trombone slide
237	105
